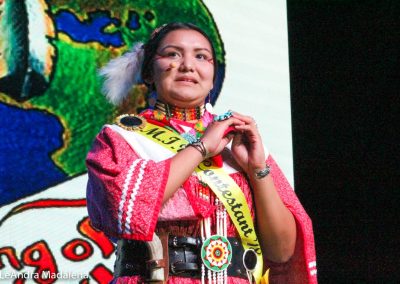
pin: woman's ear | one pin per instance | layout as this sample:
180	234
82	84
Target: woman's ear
149	82
148	76
149	79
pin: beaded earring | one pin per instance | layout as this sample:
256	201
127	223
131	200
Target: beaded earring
152	99
209	106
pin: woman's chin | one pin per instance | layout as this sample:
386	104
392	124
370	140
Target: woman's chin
185	101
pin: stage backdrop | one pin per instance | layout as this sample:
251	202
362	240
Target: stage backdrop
51	109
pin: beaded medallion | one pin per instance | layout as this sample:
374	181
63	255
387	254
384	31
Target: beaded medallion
130	121
216	253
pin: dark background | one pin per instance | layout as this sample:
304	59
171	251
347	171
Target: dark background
344	58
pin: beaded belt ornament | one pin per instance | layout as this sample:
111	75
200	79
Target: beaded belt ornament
216	253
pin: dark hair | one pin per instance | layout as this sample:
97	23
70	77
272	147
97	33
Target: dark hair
150	48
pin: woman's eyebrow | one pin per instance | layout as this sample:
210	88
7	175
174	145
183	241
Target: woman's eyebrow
203	49
181	48
171	46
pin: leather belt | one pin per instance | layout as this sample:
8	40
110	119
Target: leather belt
184	258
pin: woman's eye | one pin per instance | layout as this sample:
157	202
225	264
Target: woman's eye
173	54
202	56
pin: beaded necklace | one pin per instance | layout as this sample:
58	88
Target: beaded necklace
185	114
189	122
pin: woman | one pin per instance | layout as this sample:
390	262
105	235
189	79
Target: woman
165	182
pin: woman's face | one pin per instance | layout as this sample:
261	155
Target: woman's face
183	68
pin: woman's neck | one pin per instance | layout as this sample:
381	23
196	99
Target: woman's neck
186	114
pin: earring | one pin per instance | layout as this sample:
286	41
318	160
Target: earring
209	106
152	99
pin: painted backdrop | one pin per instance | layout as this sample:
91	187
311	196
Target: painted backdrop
51	109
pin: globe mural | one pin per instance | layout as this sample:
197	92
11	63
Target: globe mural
50	101
51	108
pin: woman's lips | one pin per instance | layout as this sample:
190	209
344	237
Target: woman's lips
186	79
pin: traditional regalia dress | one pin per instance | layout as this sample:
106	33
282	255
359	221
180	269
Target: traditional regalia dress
127	179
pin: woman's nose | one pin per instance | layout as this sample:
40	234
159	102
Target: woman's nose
186	64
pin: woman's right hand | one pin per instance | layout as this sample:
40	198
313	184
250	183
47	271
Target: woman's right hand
215	138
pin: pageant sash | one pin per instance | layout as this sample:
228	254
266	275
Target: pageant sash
223	186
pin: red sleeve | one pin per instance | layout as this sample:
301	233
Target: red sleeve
301	268
124	191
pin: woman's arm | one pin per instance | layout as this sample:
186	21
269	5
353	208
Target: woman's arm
124	191
276	224
181	167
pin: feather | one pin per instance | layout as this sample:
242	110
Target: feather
121	73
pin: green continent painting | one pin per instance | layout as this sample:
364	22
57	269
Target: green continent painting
51	104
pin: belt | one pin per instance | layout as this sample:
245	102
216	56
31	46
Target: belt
183	258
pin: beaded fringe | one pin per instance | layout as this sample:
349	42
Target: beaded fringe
221	229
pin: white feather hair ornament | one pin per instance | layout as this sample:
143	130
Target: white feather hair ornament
121	73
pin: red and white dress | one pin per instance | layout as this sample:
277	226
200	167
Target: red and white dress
127	178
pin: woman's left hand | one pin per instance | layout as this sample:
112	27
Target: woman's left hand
247	146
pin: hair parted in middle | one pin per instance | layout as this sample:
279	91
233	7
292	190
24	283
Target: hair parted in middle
136	66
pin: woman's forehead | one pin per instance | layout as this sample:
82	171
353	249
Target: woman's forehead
185	38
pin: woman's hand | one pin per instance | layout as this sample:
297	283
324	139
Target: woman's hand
215	138
247	146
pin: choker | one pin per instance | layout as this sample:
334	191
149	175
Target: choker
186	114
